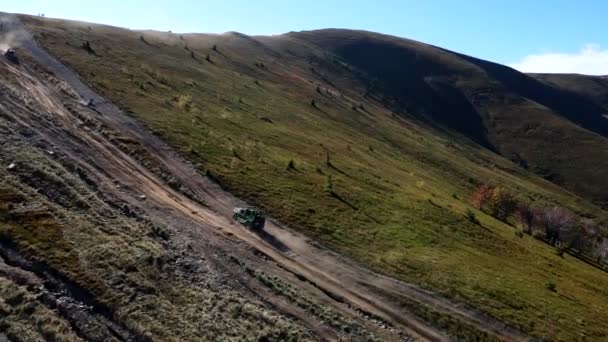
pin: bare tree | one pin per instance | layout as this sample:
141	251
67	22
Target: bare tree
566	226
587	234
601	250
540	223
525	216
588	227
557	223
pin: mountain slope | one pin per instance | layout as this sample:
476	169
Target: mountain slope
527	121
372	162
595	88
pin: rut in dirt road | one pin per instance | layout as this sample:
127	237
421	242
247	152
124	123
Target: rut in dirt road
349	285
90	320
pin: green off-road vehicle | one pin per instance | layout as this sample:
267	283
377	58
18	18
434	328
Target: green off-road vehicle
251	217
11	55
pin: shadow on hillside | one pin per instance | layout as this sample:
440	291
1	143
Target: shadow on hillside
572	106
418	86
343	200
272	240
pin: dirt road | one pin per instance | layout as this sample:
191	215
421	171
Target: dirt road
334	279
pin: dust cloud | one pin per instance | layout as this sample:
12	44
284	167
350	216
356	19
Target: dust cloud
11	39
9	36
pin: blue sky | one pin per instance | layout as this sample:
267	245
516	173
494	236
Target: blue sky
568	36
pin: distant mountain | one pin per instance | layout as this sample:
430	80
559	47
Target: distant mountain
594	88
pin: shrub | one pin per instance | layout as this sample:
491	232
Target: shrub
501	203
291	165
329	185
525	217
160	232
236	154
87	47
496	201
471	217
184	102
481	195
551	286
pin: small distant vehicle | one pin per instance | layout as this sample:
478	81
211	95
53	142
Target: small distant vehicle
11	55
251	217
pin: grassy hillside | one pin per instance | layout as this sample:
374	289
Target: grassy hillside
529	122
593	87
371	162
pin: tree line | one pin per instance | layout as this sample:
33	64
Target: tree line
556	225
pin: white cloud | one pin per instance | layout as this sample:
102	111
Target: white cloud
590	60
